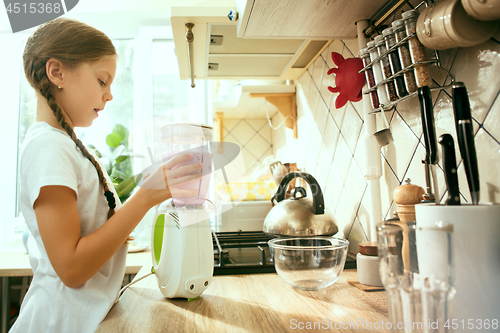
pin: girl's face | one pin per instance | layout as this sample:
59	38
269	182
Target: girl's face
86	90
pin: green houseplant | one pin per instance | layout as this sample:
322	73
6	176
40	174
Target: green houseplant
118	163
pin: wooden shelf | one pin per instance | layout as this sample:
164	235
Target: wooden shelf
285	102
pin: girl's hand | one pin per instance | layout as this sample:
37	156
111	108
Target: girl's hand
162	181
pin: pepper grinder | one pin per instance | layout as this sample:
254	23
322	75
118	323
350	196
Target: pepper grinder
406	197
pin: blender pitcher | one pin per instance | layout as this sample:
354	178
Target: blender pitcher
185	138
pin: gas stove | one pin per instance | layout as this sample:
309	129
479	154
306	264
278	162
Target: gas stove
246	252
241	252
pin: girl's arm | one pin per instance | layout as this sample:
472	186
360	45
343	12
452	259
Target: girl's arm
75	258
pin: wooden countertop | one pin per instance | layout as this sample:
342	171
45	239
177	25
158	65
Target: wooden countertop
18	264
248	303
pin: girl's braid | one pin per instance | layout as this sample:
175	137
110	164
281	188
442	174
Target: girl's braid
40	76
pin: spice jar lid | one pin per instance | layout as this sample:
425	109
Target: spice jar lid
414	13
379	40
368	248
387	31
370	44
398	24
364	52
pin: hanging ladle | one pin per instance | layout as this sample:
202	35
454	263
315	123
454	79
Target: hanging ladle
384	136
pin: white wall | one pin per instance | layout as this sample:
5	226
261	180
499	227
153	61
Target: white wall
328	144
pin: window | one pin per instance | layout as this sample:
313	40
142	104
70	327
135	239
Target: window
147	95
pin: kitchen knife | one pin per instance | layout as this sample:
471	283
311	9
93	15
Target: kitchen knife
465	136
431	157
450	169
424	96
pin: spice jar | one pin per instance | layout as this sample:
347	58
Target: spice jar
386	68
416	48
365	57
390	41
404	54
368	263
377	73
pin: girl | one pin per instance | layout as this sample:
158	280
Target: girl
79	227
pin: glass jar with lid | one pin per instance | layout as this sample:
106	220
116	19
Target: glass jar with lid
386	68
377	73
370	78
417	50
390	41
404	54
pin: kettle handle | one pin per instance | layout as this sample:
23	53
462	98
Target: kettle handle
318	203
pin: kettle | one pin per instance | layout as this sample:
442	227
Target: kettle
298	215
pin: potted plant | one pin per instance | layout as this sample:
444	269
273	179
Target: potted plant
118	164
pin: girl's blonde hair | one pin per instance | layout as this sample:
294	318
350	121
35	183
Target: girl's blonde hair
72	43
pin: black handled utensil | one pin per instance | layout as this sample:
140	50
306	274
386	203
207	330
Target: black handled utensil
450	169
431	156
424	96
465	136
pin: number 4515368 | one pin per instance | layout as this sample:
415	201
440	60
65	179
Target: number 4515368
472	324
33	8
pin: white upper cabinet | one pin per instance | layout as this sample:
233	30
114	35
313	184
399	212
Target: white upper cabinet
219	54
311	19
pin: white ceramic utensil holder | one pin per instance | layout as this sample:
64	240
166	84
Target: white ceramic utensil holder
476	260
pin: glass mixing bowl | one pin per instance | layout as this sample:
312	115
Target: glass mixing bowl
309	263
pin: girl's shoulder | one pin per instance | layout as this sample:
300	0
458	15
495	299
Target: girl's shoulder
42	138
43	132
42	128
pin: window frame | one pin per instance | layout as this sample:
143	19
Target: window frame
9	132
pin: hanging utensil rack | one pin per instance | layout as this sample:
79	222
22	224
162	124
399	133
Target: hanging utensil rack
436	61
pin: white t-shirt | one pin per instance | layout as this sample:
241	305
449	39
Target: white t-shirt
50	157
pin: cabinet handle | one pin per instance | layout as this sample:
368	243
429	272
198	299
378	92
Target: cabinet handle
190	40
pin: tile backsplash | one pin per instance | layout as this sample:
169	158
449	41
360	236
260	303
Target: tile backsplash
253	136
330	140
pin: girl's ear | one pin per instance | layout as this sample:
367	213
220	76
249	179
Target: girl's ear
54	70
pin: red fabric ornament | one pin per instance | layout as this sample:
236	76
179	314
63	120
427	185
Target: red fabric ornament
348	81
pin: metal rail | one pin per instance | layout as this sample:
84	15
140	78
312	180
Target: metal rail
389	9
190	40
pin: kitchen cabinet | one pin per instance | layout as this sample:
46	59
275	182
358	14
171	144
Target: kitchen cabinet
249	303
16	264
217	52
312	19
